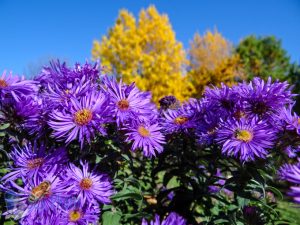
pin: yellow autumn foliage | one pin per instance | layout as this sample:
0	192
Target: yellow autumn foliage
146	52
212	61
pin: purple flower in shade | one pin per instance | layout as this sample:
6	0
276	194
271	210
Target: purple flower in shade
252	215
219	184
14	87
224	99
292	151
262	98
245	139
39	196
27	114
288	125
207	127
170	195
288	120
36	122
80	215
291	173
89	186
81	119
128	103
180	120
147	137
169	102
31	161
172	219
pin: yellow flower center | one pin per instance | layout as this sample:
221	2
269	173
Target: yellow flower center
86	183
143	131
83	117
34	163
180	120
298	120
123	104
67	91
74	215
244	135
3	83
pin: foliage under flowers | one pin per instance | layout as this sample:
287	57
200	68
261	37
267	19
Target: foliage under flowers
81	147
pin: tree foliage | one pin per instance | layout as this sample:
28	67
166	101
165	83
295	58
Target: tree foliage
212	61
146	52
264	57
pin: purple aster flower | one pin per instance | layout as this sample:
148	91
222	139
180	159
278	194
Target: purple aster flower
89	186
31	161
172	219
13	86
147	137
224	99
245	139
51	219
62	92
59	73
262	98
180	120
80	215
81	119
291	173
39	196
27	106
288	120
128	103
36	122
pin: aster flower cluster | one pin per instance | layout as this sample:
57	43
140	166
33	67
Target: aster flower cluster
59	121
247	121
46	187
76	105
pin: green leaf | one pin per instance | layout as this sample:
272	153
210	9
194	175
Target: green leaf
111	218
173	182
220	221
128	193
4	126
135	215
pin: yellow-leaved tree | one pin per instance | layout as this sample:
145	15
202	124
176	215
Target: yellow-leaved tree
212	61
146	52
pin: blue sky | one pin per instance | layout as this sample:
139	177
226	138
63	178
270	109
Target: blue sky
33	31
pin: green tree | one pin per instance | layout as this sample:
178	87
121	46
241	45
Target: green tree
264	57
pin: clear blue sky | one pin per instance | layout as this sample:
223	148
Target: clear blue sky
33	31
